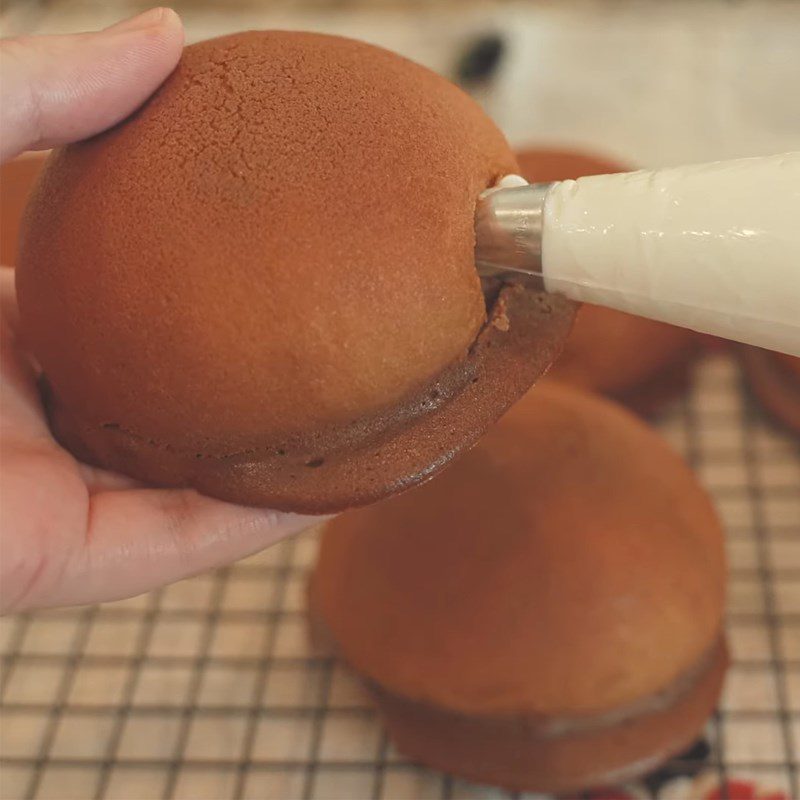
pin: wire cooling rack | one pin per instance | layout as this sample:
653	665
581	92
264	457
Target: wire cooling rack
210	689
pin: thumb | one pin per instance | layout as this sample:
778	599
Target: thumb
58	89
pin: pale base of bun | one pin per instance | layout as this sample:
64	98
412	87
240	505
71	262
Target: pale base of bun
776	389
515	754
326	471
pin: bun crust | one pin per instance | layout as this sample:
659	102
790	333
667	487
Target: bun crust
571	530
264	279
17	178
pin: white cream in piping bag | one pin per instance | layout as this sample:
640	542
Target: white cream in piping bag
714	247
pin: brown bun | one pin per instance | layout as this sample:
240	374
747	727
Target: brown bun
553	600
262	284
17	178
635	360
774	380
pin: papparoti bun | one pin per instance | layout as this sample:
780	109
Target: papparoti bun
774	380
262	284
546	615
637	361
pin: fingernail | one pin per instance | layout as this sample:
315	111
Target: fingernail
146	19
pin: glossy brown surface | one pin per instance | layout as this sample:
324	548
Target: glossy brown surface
271	265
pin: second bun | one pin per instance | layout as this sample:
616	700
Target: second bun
546	615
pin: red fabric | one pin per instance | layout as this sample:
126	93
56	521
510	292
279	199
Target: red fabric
742	790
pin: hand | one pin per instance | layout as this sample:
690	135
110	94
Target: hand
70	533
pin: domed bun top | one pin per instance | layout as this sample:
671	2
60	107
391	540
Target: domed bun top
570	552
280	240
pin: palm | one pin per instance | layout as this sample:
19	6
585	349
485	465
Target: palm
75	534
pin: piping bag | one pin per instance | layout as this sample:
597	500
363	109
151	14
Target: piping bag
713	247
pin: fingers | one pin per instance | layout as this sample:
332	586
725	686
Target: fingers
138	540
59	89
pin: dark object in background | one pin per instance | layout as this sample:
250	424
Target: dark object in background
480	61
688	764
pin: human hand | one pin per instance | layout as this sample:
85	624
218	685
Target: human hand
70	533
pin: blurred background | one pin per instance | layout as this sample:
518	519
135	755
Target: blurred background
648	82
210	688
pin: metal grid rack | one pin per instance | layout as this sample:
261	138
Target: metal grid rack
210	689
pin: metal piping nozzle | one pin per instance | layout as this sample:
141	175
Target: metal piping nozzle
508	230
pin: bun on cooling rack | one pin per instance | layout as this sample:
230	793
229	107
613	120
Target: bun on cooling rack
546	615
